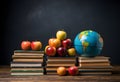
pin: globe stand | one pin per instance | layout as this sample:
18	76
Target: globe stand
87	55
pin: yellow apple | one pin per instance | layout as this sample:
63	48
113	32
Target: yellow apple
71	52
61	35
61	71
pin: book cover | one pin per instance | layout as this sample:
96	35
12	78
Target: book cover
19	73
92	58
52	73
95	73
28	52
27	71
27	57
26	64
61	64
95	67
94	64
26	68
94	70
61	58
27	60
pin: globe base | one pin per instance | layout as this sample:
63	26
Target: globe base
88	55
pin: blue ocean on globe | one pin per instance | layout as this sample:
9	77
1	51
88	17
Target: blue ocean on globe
88	43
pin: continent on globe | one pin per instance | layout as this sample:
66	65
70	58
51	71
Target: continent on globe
88	43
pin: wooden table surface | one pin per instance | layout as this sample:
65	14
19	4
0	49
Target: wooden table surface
6	77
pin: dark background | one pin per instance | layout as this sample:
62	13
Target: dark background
40	20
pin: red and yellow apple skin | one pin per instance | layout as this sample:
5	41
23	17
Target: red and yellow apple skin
61	71
67	43
54	42
36	45
73	70
71	52
25	45
61	35
50	51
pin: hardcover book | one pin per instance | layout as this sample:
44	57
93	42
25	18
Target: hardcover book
28	52
26	65
19	73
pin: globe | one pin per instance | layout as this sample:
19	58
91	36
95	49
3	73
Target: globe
88	43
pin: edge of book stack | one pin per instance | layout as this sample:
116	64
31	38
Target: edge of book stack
27	62
99	65
54	62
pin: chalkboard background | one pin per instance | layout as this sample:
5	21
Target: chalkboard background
41	19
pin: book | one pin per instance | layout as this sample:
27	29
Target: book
19	73
92	58
27	57
28	52
27	68
61	59
94	61
94	70
54	62
27	60
61	64
99	65
95	67
52	73
26	65
95	73
27	71
94	64
51	68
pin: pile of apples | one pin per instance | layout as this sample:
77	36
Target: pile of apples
60	46
73	70
34	45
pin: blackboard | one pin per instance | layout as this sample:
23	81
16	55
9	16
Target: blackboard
41	19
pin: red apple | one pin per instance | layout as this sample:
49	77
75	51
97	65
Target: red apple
25	45
73	70
50	51
36	45
61	71
67	43
54	42
71	52
61	51
61	35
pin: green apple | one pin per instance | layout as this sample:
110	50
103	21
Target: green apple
61	35
71	52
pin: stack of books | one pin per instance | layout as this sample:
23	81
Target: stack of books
54	62
27	62
99	65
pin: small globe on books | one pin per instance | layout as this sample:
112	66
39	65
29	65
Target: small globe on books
88	43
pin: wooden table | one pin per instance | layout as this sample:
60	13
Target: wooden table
6	77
